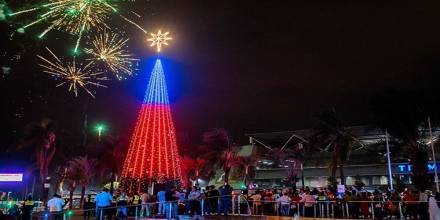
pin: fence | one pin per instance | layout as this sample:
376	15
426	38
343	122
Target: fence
240	205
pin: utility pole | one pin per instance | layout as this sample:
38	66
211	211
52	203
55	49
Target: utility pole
431	143
390	174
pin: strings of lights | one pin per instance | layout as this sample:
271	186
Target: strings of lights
111	50
159	39
152	154
72	74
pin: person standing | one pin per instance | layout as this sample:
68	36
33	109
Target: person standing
213	199
28	206
103	202
434	211
161	200
284	202
225	199
309	202
122	203
88	207
56	205
171	199
193	198
145	211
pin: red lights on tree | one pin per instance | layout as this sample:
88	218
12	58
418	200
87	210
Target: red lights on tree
152	155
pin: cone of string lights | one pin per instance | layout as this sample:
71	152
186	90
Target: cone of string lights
153	154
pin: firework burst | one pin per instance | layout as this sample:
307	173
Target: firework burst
73	16
111	50
72	74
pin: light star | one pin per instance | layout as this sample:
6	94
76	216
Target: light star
159	39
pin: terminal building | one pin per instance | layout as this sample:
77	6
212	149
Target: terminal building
367	160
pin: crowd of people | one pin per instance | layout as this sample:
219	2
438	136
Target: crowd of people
196	201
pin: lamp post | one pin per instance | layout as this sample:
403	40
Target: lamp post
431	143
100	128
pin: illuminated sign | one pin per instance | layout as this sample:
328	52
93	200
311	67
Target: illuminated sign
407	168
11	177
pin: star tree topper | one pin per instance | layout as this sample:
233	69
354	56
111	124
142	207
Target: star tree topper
158	39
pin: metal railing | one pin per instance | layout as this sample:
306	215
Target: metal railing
240	205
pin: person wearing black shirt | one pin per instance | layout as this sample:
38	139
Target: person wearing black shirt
28	206
213	194
88	207
171	199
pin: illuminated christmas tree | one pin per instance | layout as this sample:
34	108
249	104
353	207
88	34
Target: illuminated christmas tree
152	154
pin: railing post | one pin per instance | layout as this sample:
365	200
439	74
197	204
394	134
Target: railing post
238	204
170	213
314	210
233	205
400	211
304	209
333	210
203	206
328	210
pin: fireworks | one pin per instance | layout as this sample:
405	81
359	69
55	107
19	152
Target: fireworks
72	74
110	49
73	16
159	39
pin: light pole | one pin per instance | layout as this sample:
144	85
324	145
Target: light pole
390	174
431	143
100	128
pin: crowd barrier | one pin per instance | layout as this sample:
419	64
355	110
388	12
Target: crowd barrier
240	205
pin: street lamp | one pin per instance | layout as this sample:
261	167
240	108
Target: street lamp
100	128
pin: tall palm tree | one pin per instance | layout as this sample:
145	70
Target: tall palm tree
330	135
246	163
219	150
290	158
110	155
192	167
404	116
41	136
84	169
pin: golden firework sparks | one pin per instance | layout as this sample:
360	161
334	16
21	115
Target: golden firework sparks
73	74
159	39
111	49
73	16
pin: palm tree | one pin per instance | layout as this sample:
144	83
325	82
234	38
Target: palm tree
41	136
404	115
83	170
246	163
219	150
290	158
110	155
191	167
330	135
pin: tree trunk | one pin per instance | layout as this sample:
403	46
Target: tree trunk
112	180
227	170
293	183
341	173
71	198
83	192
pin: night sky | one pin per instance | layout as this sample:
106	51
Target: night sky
248	66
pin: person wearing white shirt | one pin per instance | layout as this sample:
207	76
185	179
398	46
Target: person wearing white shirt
55	206
285	204
194	202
